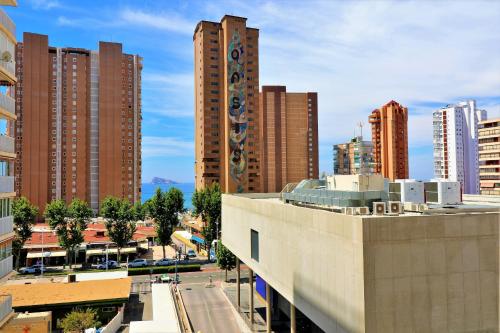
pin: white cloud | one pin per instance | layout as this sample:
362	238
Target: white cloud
163	21
159	146
44	4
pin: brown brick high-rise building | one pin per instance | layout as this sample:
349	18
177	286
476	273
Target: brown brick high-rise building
288	137
79	134
390	140
226	71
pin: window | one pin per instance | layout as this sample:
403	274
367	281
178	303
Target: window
254	244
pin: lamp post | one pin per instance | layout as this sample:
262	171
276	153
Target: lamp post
107	264
41	270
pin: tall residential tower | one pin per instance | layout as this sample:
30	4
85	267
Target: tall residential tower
79	128
7	149
226	61
390	140
456	144
288	137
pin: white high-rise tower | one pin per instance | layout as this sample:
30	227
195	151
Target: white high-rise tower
456	144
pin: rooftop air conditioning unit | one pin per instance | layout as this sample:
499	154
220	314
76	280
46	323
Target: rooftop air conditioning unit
343	210
350	210
378	208
362	210
395	207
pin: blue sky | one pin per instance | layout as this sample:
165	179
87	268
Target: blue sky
357	55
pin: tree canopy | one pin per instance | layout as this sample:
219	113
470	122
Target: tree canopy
24	214
207	205
164	208
225	258
119	217
77	321
68	222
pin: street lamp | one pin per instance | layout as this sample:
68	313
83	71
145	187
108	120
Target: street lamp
107	264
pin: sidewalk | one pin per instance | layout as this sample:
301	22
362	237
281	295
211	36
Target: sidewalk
259	324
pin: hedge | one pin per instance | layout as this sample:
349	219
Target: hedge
163	269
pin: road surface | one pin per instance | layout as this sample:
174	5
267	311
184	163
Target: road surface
208	309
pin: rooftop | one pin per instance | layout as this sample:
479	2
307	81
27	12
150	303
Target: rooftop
68	293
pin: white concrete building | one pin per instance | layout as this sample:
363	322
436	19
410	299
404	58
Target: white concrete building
456	144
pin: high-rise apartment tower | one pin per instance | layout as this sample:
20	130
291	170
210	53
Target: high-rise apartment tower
390	140
489	156
353	158
7	145
79	128
226	76
288	137
455	142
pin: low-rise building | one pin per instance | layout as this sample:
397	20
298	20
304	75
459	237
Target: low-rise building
433	269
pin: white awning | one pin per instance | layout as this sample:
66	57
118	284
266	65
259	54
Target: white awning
98	252
46	254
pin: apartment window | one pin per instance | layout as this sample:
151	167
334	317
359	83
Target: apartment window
254	244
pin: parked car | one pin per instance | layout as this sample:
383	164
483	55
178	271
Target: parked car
164	262
165	278
109	264
138	263
35	269
191	253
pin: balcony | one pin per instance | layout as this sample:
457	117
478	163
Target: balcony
5	306
8	3
6	225
6	184
7	25
7	106
5	268
7	147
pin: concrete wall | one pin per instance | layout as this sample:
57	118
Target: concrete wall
312	260
429	273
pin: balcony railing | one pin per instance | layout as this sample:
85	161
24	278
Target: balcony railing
5	305
6	184
7	22
8	103
7	144
9	67
6	225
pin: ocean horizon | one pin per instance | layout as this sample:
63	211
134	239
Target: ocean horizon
148	190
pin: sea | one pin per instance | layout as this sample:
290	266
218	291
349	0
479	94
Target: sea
148	190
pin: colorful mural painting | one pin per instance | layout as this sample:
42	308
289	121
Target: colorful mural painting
237	111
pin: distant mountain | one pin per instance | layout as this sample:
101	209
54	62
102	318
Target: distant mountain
162	181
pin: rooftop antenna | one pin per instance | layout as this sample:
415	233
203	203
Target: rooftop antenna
360	125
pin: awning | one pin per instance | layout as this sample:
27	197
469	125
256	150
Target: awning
197	239
99	252
46	254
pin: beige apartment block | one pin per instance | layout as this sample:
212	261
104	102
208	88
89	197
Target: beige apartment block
433	271
489	156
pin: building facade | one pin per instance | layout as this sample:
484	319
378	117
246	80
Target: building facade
390	140
353	158
455	142
226	105
489	156
79	128
288	137
7	121
403	272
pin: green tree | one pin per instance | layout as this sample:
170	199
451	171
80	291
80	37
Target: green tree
119	217
164	208
24	218
225	258
139	211
78	320
69	223
207	205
